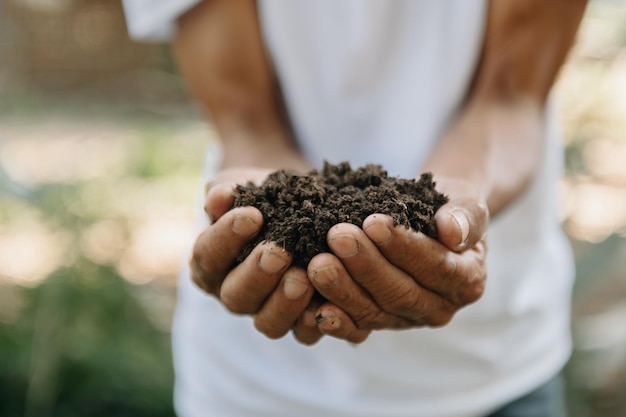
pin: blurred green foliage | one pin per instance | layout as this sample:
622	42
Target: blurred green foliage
86	340
83	346
79	344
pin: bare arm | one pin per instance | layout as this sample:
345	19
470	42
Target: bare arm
488	156
485	160
222	58
495	142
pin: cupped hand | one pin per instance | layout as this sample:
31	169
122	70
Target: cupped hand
385	277
265	284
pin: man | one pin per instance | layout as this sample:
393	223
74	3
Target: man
459	88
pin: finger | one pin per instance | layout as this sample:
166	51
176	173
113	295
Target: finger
219	245
459	277
220	192
393	289
305	330
331	279
461	223
285	305
246	287
333	321
219	199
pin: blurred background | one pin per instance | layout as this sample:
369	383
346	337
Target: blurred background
100	154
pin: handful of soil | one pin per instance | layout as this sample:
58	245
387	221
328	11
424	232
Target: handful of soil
298	210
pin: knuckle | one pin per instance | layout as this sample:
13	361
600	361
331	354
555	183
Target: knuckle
200	246
305	337
307	340
439	318
483	212
407	304
371	319
358	336
207	209
342	296
201	279
197	279
472	282
475	288
483	248
233	303
204	263
202	253
447	266
267	327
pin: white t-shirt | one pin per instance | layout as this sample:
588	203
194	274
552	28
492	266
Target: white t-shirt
377	81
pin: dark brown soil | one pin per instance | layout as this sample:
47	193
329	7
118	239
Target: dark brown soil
298	210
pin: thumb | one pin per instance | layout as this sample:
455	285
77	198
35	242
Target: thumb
462	223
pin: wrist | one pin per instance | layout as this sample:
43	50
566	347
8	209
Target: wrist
493	149
262	152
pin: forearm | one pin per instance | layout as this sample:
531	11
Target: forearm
220	55
494	144
493	149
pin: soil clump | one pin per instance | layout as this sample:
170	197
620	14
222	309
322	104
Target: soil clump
298	210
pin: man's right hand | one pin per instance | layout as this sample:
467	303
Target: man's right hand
265	284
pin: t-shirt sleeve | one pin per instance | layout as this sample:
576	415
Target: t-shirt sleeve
154	20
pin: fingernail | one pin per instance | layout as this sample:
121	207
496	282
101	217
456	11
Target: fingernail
271	262
326	277
379	232
294	289
462	223
328	321
344	246
244	226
